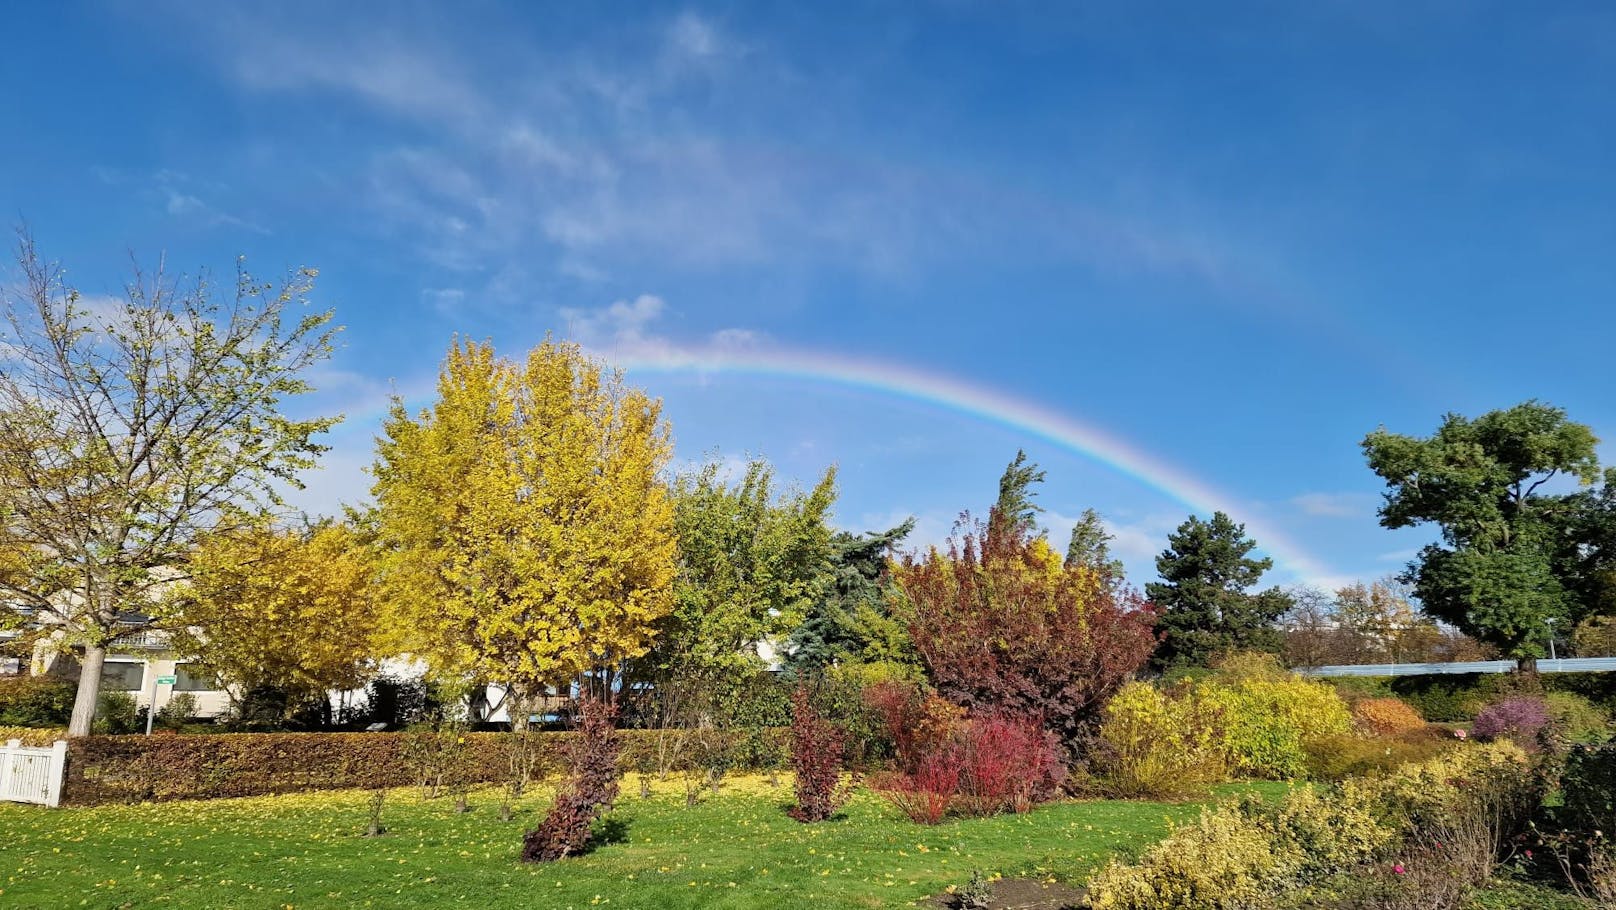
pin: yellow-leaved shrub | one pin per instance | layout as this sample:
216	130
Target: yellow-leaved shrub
1345	755
1220	860
1248	854
1418	792
1250	718
1154	744
1264	713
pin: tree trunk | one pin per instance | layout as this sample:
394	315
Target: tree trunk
520	772
89	690
1527	666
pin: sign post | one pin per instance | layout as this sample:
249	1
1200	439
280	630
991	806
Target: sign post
151	703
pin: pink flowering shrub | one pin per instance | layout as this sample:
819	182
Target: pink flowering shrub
1521	719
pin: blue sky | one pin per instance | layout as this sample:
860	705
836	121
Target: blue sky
1236	239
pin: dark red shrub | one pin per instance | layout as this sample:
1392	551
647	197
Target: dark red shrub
897	704
131	769
1004	628
589	791
990	765
816	757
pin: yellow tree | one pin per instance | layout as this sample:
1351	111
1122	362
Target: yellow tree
1385	623
526	535
289	610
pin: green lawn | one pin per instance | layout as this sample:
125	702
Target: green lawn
734	850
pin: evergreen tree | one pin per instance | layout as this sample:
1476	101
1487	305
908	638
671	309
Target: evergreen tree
1015	508
1090	546
1205	604
854	622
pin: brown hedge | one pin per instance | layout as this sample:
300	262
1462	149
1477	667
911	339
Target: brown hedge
32	736
125	769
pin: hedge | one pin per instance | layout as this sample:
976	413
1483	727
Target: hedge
1457	697
125	769
32	736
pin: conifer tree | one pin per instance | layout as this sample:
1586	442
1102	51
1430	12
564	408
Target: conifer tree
1206	607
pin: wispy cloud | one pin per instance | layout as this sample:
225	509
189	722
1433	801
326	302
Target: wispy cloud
403	75
1336	505
629	329
576	159
694	36
1137	542
179	195
446	301
932	526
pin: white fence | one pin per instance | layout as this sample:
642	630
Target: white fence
32	775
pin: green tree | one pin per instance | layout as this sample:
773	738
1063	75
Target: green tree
1514	556
1204	598
854	622
130	431
1090	545
1014	507
751	564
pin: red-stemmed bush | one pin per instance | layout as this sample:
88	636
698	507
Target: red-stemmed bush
1008	765
926	793
816	757
919	724
589	791
989	765
1004	628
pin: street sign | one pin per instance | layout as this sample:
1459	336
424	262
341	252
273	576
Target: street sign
165	680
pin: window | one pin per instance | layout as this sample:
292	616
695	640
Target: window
123	675
189	679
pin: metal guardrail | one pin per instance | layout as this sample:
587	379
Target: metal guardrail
1544	665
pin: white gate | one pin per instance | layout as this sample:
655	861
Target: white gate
32	775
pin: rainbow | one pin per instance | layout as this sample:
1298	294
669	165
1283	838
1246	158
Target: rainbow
985	404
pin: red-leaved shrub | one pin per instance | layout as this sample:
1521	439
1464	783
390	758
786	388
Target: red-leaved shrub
1004	627
1007	764
589	791
816	757
989	765
919	724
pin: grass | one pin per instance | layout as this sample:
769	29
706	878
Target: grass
734	850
